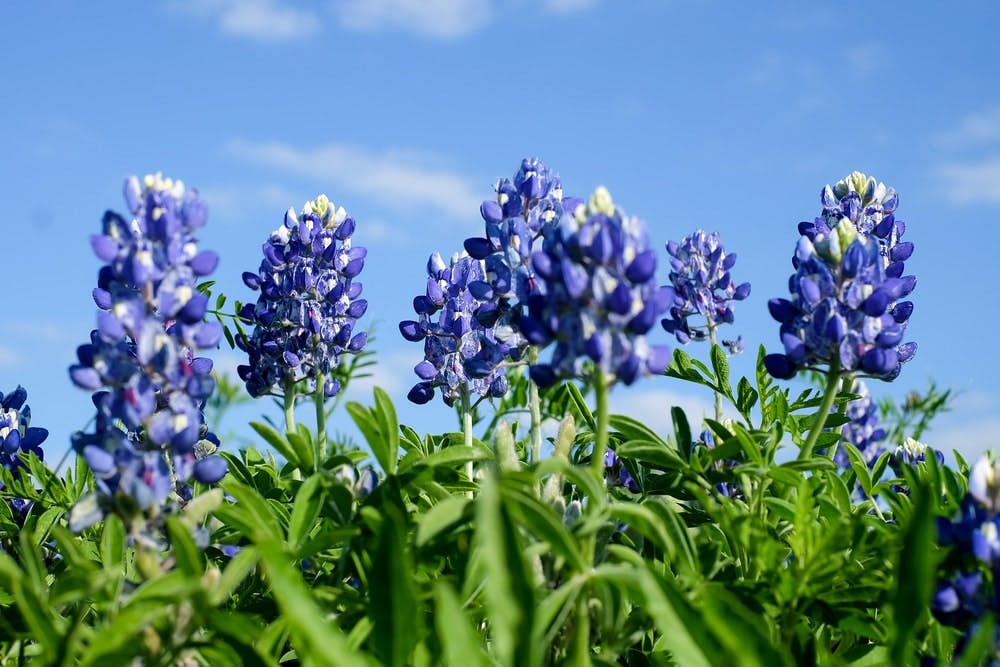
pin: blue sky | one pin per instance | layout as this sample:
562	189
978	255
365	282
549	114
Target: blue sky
724	116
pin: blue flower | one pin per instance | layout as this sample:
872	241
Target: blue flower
461	352
863	430
600	296
701	285
150	387
17	437
846	307
304	319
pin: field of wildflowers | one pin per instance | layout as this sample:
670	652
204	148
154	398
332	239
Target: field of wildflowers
809	529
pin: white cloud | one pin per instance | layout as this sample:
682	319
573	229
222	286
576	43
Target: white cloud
866	59
569	6
401	179
972	182
231	203
445	19
264	20
49	332
974	130
9	356
971	438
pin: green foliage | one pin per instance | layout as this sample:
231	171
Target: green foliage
473	554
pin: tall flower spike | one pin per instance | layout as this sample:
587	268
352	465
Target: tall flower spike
600	296
309	302
149	386
702	286
846	307
461	353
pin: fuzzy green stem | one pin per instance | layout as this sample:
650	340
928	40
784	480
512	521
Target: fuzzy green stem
289	407
601	431
535	405
845	387
718	396
832	383
467	430
581	648
320	399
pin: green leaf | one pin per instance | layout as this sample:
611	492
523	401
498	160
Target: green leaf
859	466
393	607
684	632
915	573
385	412
453	456
740	630
188	555
301	441
440	517
549	528
682	431
371	429
305	510
633	429
746	396
507	588
981	644
112	542
236	570
255	515
720	364
658	455
312	635
461	644
276	441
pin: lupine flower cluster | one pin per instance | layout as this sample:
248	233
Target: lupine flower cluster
469	315
962	598
863	431
600	297
17	436
846	308
149	386
309	302
460	352
701	285
912	453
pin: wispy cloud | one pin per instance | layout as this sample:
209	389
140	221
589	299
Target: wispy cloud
569	6
975	129
49	332
866	59
399	179
9	356
971	438
972	182
282	20
230	203
445	19
262	20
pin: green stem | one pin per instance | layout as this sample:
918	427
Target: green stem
718	396
581	649
601	431
845	387
832	383
289	407
320	399
467	430
535	405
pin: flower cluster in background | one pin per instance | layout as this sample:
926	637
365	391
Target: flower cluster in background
846	309
863	430
304	319
17	436
600	298
701	285
150	437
